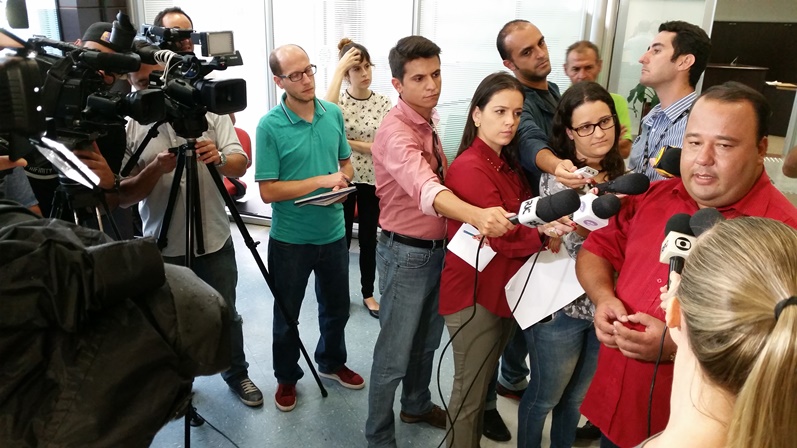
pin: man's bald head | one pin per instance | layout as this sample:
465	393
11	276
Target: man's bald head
280	54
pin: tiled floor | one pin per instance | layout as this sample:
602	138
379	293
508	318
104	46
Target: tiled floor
335	421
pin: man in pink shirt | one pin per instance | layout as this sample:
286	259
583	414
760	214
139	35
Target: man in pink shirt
410	168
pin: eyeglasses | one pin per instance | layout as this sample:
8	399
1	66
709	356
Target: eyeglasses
297	76
585	130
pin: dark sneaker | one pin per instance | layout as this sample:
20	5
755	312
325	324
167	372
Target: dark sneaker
285	398
246	390
509	393
494	427
588	432
346	377
436	417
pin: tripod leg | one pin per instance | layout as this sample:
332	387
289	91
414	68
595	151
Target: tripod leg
252	245
192	183
163	238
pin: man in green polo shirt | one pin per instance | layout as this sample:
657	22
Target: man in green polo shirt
302	151
583	63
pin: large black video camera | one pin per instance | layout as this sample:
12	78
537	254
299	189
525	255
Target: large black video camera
189	95
64	97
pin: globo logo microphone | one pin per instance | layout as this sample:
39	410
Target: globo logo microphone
683	244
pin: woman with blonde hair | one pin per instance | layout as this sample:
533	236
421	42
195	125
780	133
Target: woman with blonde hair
363	111
734	318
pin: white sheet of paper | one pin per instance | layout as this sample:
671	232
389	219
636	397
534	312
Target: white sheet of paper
553	284
465	246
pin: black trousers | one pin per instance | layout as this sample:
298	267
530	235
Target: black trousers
368	219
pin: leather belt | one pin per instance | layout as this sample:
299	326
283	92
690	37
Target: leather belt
414	242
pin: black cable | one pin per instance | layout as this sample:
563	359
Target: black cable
216	429
653	381
451	339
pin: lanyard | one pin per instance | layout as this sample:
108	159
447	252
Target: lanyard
646	155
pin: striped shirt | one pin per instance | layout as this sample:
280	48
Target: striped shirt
660	127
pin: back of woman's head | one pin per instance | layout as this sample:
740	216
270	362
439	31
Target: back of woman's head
576	95
492	84
347	44
732	281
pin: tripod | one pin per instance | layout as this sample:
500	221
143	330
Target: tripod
187	161
83	203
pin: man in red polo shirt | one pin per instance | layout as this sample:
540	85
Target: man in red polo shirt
722	166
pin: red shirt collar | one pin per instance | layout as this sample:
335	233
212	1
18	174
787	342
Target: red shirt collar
485	151
754	203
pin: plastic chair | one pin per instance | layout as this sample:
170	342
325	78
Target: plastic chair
237	187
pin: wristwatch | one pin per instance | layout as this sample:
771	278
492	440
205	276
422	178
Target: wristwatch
222	160
117	182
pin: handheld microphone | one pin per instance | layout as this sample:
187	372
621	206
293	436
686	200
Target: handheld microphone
704	219
538	211
111	62
595	211
668	162
631	183
677	243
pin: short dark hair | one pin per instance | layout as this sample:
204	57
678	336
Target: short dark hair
500	41
736	92
689	39
408	49
576	95
581	46
173	10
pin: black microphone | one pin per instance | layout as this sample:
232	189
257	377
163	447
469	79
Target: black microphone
668	162
595	211
631	183
17	14
704	219
678	241
538	211
111	62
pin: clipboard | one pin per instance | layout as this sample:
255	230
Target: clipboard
325	199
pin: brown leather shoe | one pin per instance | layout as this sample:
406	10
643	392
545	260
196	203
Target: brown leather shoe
436	417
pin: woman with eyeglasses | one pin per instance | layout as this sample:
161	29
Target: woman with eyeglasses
363	111
485	173
563	348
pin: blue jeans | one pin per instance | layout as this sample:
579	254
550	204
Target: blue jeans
291	265
411	328
564	355
220	272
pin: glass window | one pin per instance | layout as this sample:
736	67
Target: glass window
469	52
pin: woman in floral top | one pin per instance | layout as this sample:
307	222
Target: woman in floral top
563	348
363	111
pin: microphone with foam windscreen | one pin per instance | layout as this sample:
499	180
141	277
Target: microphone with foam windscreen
111	62
704	219
631	183
594	211
668	162
678	241
17	14
538	211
